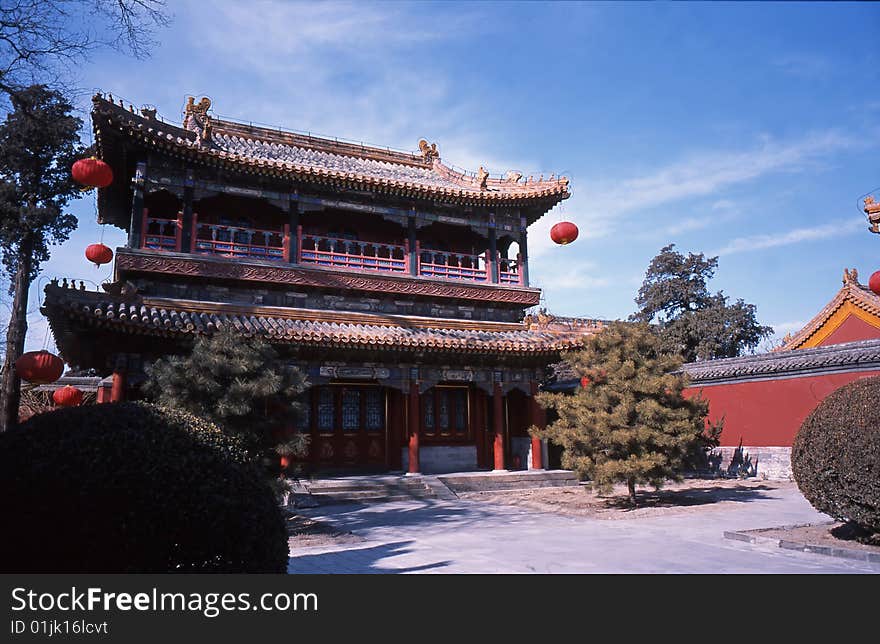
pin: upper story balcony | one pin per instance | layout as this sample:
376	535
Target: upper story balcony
301	246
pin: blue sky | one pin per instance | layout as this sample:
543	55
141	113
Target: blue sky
744	130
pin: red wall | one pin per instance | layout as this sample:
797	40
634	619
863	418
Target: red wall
769	412
851	330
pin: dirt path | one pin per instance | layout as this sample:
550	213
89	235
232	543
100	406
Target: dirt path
690	496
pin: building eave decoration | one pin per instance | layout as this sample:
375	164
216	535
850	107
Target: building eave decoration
254	150
169	318
852	299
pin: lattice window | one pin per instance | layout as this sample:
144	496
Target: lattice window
428	406
326	409
351	409
375	409
443	410
460	396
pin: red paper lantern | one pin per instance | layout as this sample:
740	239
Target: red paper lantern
39	367
285	461
92	172
564	233
99	254
67	396
874	282
585	382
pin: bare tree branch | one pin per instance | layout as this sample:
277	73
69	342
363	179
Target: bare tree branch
41	40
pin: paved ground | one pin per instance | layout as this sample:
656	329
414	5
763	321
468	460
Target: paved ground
475	537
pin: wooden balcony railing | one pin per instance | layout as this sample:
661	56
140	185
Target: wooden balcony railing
162	234
509	270
165	234
234	241
453	266
350	253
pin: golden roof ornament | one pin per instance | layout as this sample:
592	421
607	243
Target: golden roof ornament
196	114
429	152
513	176
482	177
872	209
851	276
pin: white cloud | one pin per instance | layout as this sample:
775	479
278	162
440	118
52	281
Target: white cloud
838	228
605	203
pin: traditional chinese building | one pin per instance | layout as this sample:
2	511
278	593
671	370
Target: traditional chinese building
389	278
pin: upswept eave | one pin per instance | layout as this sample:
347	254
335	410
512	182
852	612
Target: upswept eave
853	293
255	150
171	317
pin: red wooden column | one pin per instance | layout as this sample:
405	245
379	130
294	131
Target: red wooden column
539	419
413	428
498	423
103	394
117	391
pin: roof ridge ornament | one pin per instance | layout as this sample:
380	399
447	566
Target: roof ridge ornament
196	114
872	210
482	178
851	276
429	152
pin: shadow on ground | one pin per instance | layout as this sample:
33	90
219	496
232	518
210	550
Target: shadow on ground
692	496
428	512
358	561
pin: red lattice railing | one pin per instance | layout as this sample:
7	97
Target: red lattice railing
509	270
165	234
453	266
161	233
235	241
351	253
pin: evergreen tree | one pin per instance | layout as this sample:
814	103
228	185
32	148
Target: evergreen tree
241	385
630	423
694	322
39	142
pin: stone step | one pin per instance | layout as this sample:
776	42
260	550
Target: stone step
488	481
355	497
368	489
334	489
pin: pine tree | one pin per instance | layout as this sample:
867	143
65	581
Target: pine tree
630	423
39	141
698	324
241	385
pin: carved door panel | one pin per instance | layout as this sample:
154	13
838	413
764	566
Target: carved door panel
349	427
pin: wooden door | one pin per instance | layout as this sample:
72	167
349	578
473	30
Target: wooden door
349	425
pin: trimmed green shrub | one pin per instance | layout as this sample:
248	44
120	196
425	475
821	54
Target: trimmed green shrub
130	487
836	455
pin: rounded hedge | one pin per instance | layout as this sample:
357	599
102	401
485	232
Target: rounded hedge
835	458
130	487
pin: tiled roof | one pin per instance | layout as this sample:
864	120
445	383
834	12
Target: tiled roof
169	317
851	356
317	160
851	292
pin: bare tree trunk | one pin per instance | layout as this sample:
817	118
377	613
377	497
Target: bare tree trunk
10	390
631	483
